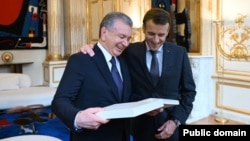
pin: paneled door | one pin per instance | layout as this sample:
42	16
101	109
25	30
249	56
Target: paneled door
96	10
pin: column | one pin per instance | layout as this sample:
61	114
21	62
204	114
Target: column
74	34
55	30
54	65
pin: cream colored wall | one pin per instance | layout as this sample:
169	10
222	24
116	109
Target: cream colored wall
34	70
230	74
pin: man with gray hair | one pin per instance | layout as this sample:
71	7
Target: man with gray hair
88	85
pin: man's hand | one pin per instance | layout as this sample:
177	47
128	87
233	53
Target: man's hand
88	49
155	112
166	130
88	119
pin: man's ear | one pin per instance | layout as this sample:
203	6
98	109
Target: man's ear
104	31
144	29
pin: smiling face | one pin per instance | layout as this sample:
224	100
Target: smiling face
156	25
155	34
115	40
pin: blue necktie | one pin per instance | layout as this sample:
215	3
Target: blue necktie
116	76
154	69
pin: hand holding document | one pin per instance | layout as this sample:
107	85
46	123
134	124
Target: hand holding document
133	109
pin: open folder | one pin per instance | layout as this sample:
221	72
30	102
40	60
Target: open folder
133	109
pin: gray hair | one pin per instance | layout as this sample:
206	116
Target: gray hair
109	19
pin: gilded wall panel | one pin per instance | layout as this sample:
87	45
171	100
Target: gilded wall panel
233	39
232	52
233	97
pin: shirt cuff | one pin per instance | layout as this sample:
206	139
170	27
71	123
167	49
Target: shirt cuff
75	124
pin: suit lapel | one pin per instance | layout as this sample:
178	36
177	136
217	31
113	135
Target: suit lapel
165	60
126	78
103	68
142	58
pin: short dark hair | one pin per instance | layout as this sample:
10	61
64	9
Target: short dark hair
158	15
108	20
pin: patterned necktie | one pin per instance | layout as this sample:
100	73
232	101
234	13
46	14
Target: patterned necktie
154	69
116	76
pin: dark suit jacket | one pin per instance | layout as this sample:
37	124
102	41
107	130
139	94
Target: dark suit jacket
176	82
87	82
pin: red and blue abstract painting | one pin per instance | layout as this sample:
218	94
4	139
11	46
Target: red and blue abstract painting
23	24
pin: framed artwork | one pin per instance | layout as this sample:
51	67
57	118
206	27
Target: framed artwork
23	24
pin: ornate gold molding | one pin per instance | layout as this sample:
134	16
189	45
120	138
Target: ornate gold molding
234	40
222	105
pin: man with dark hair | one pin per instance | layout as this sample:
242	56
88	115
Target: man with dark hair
174	79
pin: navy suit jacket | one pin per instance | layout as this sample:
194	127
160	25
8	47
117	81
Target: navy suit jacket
176	82
87	82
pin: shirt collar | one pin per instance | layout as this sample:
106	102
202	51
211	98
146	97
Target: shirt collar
159	49
106	54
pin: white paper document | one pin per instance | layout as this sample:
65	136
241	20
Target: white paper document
133	109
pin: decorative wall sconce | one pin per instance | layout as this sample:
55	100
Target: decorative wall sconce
7	57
